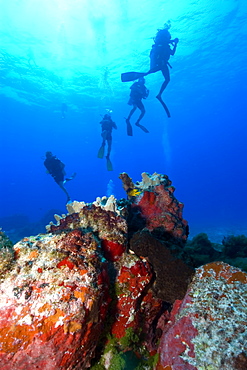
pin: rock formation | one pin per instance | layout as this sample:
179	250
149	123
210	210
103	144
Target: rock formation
207	329
111	283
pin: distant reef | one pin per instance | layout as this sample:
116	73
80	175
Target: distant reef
115	284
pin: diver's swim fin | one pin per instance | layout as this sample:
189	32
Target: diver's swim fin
101	152
164	106
131	76
129	128
142	128
109	164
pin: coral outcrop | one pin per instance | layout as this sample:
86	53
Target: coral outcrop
52	302
207	329
111	286
154	201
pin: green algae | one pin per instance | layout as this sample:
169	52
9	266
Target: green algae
128	353
130	340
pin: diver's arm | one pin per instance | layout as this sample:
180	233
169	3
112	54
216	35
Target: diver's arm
48	171
146	93
175	41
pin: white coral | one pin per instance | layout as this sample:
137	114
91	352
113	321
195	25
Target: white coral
149	181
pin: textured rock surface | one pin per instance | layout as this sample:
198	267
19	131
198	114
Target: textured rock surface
110	228
208	329
51	303
133	277
153	200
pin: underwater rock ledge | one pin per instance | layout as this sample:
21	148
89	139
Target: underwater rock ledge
112	283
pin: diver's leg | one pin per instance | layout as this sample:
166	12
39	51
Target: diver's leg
101	150
109	142
142	109
153	70
103	143
104	135
166	74
131	113
61	185
70	178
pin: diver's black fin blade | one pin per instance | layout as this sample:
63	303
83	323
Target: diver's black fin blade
109	165
164	106
101	152
131	76
143	128
129	128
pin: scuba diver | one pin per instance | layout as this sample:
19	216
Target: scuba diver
159	60
107	125
138	92
160	55
56	169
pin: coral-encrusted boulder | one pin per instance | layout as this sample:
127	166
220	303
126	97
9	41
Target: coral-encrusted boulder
53	303
158	232
208	328
109	226
153	200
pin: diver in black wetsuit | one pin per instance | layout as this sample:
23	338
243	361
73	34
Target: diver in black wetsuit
159	61
160	55
107	125
138	92
56	169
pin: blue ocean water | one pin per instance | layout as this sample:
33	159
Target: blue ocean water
73	52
